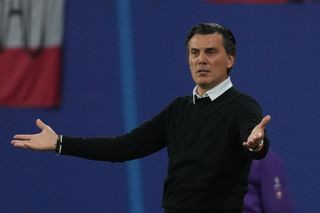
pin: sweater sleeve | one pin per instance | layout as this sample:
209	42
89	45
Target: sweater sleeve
141	141
248	116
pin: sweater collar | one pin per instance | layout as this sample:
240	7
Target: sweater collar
215	92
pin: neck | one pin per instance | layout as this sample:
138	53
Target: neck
201	89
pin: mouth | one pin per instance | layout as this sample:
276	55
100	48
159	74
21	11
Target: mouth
202	71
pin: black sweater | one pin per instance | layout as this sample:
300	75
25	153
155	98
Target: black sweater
208	166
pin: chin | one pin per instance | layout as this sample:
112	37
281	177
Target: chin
203	85
206	85
203	81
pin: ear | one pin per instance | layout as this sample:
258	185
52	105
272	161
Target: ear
231	60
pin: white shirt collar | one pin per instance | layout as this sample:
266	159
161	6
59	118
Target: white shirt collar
215	92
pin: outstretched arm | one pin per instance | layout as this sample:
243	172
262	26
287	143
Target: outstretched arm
142	141
43	141
254	141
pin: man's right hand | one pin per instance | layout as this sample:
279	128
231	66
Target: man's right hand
44	141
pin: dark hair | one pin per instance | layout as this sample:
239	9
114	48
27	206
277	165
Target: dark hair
229	41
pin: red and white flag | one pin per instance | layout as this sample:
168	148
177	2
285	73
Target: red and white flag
30	52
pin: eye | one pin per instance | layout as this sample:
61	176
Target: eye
194	52
211	51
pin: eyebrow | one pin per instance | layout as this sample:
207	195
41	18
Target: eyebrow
206	49
210	48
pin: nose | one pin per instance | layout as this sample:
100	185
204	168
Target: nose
202	58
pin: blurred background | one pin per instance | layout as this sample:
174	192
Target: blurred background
121	62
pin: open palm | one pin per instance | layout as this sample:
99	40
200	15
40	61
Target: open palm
43	141
257	134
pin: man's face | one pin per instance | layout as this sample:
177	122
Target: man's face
208	60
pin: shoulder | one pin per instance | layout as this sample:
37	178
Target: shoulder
177	104
241	96
180	101
271	160
243	100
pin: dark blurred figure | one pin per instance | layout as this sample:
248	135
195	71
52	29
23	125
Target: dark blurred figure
267	189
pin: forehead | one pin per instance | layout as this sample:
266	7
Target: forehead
205	41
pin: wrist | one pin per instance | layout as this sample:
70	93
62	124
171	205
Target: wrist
58	144
257	148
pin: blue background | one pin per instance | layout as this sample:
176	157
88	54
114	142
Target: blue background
277	63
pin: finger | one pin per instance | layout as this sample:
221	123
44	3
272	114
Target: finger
18	144
265	121
246	145
24	145
253	137
22	137
250	145
40	124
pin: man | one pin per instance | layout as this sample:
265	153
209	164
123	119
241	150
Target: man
210	136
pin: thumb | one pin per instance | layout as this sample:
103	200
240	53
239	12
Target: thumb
40	124
265	121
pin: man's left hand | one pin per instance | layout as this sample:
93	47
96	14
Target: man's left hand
255	138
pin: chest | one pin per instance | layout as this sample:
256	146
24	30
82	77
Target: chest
200	122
